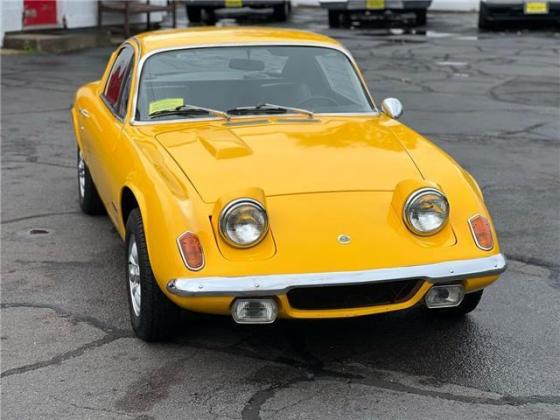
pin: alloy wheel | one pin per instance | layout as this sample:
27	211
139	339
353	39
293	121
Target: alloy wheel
134	276
81	174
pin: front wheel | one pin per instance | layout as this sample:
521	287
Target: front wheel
153	316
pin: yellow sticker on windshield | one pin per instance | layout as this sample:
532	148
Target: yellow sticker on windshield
375	4
165	104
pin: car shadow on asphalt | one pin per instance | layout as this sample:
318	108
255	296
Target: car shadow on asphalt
415	340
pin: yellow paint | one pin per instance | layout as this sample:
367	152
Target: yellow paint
536	8
375	4
234	3
472	285
340	175
165	104
175	38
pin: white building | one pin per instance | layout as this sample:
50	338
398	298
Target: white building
17	15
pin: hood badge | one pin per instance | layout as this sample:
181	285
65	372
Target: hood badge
344	239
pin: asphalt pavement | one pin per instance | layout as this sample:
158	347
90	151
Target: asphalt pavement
491	100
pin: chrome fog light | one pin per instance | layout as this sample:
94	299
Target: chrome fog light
446	296
254	311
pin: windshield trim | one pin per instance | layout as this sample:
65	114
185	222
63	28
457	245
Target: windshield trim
139	68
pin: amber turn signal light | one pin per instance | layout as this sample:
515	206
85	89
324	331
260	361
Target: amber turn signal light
482	233
191	251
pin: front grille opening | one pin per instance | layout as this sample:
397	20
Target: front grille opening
356	296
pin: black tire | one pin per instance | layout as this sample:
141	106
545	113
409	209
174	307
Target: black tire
155	318
421	17
89	199
469	304
209	16
483	22
194	14
280	12
334	18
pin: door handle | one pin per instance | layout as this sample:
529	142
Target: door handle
84	112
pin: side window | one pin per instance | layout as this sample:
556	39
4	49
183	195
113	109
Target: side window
123	101
118	78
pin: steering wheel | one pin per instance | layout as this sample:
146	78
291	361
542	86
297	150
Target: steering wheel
325	99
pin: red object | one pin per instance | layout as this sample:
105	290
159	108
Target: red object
39	12
117	75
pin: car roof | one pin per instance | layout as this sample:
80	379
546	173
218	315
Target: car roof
177	38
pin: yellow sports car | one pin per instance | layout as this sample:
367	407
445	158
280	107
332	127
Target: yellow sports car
251	174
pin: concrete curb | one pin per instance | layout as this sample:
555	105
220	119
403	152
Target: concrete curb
56	42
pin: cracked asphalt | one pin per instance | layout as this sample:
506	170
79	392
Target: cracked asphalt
491	100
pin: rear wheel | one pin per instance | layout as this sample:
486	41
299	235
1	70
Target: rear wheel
153	316
194	14
421	17
210	16
483	21
334	18
281	11
89	199
469	304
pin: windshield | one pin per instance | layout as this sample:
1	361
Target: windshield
224	78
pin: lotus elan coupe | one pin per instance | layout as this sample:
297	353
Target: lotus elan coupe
251	174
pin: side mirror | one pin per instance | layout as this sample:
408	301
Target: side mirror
392	107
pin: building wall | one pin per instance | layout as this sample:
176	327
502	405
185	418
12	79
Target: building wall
75	13
83	13
458	5
11	15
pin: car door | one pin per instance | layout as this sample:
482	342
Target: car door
105	126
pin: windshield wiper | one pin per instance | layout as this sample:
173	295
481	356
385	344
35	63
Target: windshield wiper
268	109
189	110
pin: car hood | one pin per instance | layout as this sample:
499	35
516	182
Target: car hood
290	156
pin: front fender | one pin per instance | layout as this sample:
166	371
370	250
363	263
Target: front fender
464	194
169	206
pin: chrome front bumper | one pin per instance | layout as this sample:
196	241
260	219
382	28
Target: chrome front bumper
277	284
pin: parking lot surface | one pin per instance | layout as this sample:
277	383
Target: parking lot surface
490	99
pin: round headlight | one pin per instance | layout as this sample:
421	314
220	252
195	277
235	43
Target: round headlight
243	223
426	211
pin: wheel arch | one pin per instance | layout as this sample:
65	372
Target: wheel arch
130	199
128	203
75	126
163	253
